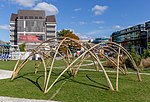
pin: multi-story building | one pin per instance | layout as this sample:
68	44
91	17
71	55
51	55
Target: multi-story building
100	40
135	36
147	28
31	27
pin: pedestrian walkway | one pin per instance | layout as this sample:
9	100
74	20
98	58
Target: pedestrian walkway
4	74
9	99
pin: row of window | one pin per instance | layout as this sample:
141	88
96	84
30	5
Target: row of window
50	26
31	17
51	32
129	36
147	25
26	23
139	27
50	36
31	26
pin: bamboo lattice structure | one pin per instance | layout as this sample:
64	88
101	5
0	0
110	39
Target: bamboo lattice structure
49	55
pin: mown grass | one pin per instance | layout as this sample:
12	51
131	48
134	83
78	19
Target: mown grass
87	86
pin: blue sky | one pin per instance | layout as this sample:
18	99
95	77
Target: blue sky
87	18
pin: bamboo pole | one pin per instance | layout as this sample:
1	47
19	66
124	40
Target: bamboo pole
109	82
113	61
37	67
125	68
17	65
117	72
45	71
76	70
96	65
53	64
90	51
106	76
130	57
19	68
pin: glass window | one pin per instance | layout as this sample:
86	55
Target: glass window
21	17
20	25
36	17
35	26
30	17
50	31
40	17
26	17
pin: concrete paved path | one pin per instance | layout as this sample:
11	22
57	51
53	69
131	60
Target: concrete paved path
9	99
4	74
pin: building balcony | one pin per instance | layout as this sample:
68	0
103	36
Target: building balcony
11	38
12	34
50	34
50	29
12	28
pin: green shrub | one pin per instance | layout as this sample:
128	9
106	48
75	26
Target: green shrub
146	53
22	47
136	57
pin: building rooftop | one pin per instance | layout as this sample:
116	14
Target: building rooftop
38	13
32	14
13	17
50	18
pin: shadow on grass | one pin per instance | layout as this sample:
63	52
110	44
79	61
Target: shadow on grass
66	76
87	84
123	77
35	82
96	82
83	83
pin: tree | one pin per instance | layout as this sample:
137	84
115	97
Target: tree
146	53
71	35
136	57
63	32
22	47
72	45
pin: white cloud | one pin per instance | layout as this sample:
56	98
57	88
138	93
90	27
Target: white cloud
98	10
4	27
83	36
49	8
25	3
117	27
82	23
101	32
98	22
77	9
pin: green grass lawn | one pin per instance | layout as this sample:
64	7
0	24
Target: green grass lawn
87	86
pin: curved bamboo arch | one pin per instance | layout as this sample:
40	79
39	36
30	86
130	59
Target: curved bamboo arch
88	51
111	60
130	57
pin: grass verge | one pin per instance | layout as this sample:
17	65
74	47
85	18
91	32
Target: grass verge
87	86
